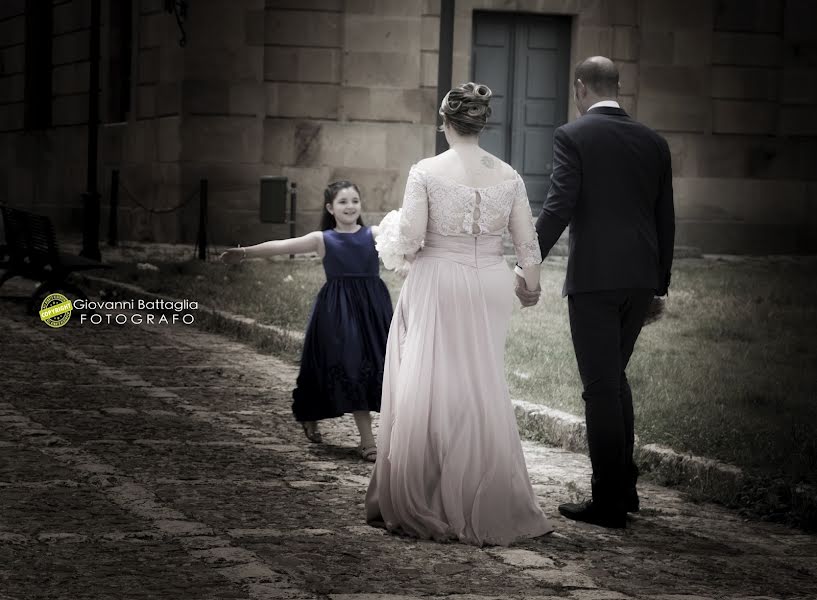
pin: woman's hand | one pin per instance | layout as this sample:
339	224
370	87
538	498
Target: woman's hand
233	256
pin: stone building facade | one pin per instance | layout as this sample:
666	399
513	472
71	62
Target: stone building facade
318	90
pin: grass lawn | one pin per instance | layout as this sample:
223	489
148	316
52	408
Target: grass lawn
729	372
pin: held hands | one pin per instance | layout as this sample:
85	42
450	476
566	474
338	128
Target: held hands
526	296
233	256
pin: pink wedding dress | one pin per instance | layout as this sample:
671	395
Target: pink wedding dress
450	464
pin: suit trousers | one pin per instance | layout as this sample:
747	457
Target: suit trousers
604	326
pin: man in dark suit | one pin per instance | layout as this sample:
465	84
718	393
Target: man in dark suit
612	182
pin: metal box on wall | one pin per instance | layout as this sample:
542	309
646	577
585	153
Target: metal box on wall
274	199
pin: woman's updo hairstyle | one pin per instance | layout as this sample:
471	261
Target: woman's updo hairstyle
465	108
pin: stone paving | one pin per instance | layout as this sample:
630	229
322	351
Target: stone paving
162	462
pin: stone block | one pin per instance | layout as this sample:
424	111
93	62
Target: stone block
206	97
800	17
799	85
222	139
689	81
215	25
254	27
404	145
430	38
11	116
460	69
758	118
168	98
71	16
363	33
312	181
657	47
798	120
627	77
429	109
12	60
746	49
749	15
623	12
169	142
744	83
303	28
70	110
315	100
353	145
379	104
594	41
316	5
171	63
555	7
148	65
153	29
381	69
429	68
431	7
625	43
12	8
675	113
628	104
463	28
217	64
692	47
70	47
70	79
307	65
247	98
12	89
670	15
762	202
280	141
13	31
386	8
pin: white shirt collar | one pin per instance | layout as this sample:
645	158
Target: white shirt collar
606	104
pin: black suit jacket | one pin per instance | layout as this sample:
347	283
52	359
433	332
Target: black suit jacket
612	182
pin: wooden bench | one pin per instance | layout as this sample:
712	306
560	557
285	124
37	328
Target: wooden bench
31	252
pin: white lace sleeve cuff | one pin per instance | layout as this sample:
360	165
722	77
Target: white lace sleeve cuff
528	253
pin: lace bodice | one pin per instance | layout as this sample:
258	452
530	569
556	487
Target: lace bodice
440	205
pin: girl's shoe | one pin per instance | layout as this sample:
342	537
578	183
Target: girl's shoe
368	454
311	431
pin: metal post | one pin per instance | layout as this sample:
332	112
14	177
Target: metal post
202	219
445	58
90	199
113	210
293	202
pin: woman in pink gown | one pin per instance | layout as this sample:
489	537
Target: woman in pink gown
450	464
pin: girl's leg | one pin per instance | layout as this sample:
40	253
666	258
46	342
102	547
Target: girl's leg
363	420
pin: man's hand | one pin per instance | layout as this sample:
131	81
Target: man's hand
526	297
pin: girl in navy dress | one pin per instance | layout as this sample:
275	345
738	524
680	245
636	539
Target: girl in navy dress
345	344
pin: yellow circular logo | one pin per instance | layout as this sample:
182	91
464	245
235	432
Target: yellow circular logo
56	310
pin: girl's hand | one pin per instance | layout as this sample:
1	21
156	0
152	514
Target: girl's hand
233	256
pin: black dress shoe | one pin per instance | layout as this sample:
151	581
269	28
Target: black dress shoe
588	512
633	503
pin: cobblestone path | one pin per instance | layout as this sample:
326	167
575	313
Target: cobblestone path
162	462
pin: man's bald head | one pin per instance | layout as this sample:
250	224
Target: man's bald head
600	74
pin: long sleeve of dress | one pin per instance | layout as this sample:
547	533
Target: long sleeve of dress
402	231
523	233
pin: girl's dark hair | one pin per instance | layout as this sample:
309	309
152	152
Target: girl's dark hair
327	219
465	108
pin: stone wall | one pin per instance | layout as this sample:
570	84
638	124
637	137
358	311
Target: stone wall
318	90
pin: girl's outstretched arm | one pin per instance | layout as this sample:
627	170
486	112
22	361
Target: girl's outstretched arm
311	242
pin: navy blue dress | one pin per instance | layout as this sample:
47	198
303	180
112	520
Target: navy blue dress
345	343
